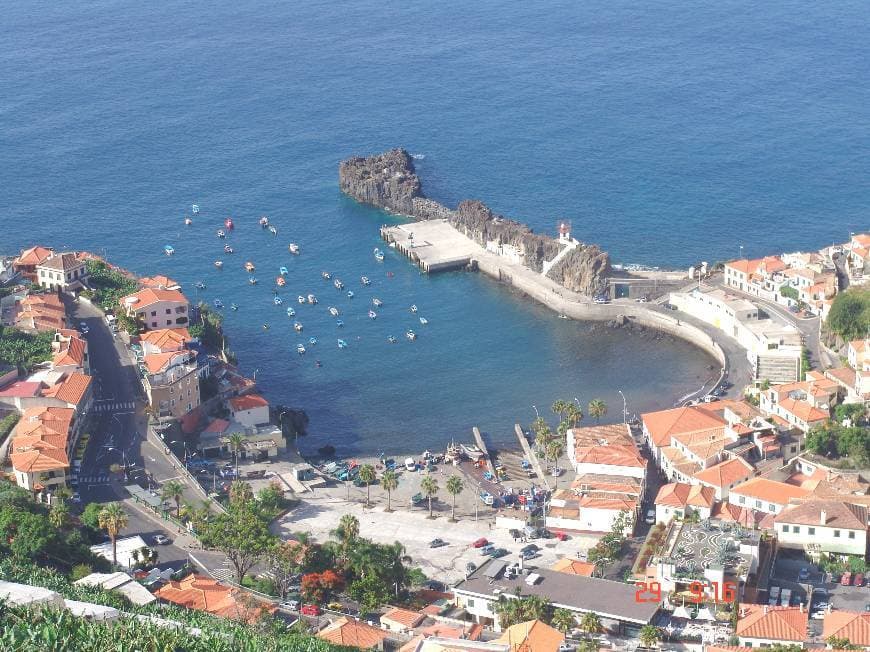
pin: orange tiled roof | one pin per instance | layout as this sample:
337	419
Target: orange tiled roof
852	625
769	491
606	435
247	402
404	617
615	503
662	425
532	636
47	420
838	514
158	282
736	514
205	594
42	312
149	296
744	265
574	567
350	632
34	460
602	482
71	389
726	473
680	494
862	239
71	352
157	362
679	461
803	410
167	339
33	256
610	456
773	623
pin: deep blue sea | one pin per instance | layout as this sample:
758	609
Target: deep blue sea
667	132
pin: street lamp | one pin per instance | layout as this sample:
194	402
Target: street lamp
740	251
535	408
624	406
577	400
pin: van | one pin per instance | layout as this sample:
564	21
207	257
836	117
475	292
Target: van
410	464
650	517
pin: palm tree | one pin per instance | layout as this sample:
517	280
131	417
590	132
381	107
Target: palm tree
543	437
507	609
348	529
534	607
559	408
597	408
649	635
389	481
573	414
58	515
563	620
187	512
454	488
590	623
367	475
429	486
113	519
554	450
240	493
236	440
173	490
538	424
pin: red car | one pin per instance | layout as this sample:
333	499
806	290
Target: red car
859	579
846	580
310	610
480	543
561	536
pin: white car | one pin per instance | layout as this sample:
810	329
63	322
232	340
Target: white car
290	605
650	517
75	498
83	327
162	540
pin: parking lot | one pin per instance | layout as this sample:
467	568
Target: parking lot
825	590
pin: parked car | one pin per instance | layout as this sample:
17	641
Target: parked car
437	543
804	574
530	548
859	579
290	605
162	539
310	610
529	554
650	517
488	548
498	552
561	536
83	327
335	606
480	543
846	580
76	497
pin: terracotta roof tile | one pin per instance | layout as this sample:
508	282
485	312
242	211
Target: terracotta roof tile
773	623
205	594
769	491
837	514
71	389
158	282
726	473
247	402
851	625
149	296
33	256
680	494
662	425
404	617
167	339
532	636
157	362
574	567
346	631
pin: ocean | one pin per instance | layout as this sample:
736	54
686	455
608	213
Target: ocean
667	133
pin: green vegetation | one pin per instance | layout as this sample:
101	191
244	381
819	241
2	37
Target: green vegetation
563	620
850	314
109	285
429	488
514	609
389	482
242	534
7	423
835	565
805	362
836	441
454	488
839	643
24	350
209	330
113	519
597	408
609	547
649	635
789	292
856	413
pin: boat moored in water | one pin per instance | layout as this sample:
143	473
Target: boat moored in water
273	230
194	208
252	280
228	249
300	349
280	281
325	275
293	248
218	303
200	285
233	306
219	264
414	308
350	294
392	339
168	250
188	221
312	341
424	321
312	298
365	280
221	233
339	323
333	311
377	302
373	314
342	344
278	301
338	284
300	299
283	271
297	326
379	255
264	221
249	266
291	312
411	335
228	223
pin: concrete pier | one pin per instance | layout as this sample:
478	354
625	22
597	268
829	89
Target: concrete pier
530	456
478	438
435	246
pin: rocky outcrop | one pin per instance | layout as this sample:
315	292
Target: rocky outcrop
390	181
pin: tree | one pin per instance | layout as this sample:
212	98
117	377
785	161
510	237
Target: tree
429	487
649	635
853	412
389	481
543	437
559	408
841	643
348	529
240	492
590	623
241	534
367	475
564	620
91	516
454	487
597	408
554	450
236	441
573	415
849	316
173	490
285	560
58	515
113	519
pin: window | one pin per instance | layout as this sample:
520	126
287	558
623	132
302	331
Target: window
189	407
470	602
785	528
851	535
169	322
772	507
797	529
153	324
742	500
811	531
836	534
153	313
169	311
758	504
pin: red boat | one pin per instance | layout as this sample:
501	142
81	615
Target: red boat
229	223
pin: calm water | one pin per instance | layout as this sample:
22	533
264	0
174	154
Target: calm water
666	135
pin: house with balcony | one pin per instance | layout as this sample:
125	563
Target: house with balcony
70	352
65	272
679	500
40	448
41	312
164	340
764	626
26	262
157	308
171	382
765	495
802	404
722	477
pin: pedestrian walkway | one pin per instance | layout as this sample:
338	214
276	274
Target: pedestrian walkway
114	406
95	479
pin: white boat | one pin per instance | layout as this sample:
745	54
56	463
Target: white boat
273	230
278	301
414	308
471	451
365	280
339	323
333	311
342	344
326	275
283	271
194	208
338	284
168	250
200	285
218	263
312	341
300	349
424	321
228	249
293	248
411	335
379	256
188	221
297	326
373	314
252	280
392	339
312	298
350	294
233	306
221	233
377	302
291	312
264	221
218	303
300	299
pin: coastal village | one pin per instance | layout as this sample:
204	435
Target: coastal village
736	519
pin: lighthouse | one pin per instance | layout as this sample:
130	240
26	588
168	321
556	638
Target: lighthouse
565	232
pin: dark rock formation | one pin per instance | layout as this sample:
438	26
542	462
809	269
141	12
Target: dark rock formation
390	181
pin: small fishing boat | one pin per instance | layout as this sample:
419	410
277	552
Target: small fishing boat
338	284
252	280
392	245
291	312
350	294
339	323
300	299
283	271
373	314
265	327
317	363
326	275
392	339
377	302
233	306
188	221
411	335
424	321
312	341
293	248
278	301
365	280
249	266
194	208
390	275
300	349
312	298
273	230
228	249
168	250
280	281
218	303
342	344
228	223
219	264
200	285
221	233
264	221
414	308
379	255
333	311
297	326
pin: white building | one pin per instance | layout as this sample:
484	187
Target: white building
125	548
825	525
764	495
